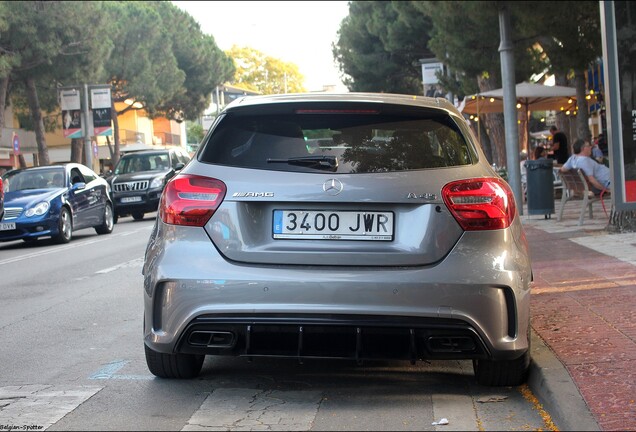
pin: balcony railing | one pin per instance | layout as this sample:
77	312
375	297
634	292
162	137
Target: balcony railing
168	138
131	137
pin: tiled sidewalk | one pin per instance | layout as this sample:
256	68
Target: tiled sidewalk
583	308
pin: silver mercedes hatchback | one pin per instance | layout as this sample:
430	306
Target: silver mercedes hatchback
356	226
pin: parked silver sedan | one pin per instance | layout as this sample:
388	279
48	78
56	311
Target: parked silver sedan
354	226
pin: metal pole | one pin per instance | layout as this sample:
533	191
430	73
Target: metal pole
217	101
87	128
510	106
613	109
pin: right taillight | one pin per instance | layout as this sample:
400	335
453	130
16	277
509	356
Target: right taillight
480	204
190	200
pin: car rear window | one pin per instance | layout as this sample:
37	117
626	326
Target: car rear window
342	142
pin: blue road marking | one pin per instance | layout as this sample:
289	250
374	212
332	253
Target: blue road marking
109	372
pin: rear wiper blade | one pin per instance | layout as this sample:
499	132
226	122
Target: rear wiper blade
319	162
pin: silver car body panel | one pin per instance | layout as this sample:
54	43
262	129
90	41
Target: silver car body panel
432	268
185	277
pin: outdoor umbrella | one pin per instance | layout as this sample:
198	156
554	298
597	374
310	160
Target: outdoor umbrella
532	97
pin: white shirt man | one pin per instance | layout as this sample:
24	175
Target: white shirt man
598	174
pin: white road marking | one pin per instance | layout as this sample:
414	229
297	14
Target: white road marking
137	262
39	406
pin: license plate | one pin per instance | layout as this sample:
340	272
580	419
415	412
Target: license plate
131	199
6	226
333	225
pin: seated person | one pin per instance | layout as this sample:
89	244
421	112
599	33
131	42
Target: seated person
597	174
540	153
159	163
58	180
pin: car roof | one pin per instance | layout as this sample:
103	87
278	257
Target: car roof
41	168
380	98
147	152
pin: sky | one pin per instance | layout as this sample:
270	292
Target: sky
299	32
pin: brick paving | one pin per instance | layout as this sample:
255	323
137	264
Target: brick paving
583	308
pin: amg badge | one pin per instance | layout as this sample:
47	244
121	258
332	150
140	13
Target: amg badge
253	194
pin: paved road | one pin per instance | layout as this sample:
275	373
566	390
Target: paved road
72	359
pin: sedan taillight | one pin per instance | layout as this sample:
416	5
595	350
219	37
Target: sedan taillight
190	200
480	204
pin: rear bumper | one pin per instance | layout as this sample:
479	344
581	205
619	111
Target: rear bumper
149	201
472	304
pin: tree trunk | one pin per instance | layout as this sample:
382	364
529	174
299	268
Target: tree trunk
38	123
494	125
110	148
484	141
582	111
115	156
622	221
77	150
563	121
4	85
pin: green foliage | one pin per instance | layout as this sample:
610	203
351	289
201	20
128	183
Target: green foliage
379	46
162	59
194	132
567	37
197	55
56	43
259	72
381	42
139	41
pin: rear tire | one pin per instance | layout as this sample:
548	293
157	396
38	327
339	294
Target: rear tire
115	217
173	365
502	372
107	225
64	227
138	216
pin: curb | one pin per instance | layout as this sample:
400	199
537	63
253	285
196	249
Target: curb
552	384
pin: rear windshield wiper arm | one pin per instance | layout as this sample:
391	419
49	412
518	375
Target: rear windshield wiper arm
319	162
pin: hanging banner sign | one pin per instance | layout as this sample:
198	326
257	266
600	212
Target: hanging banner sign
101	122
72	123
101	105
71	113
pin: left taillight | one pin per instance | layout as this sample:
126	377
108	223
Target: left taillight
480	204
191	200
